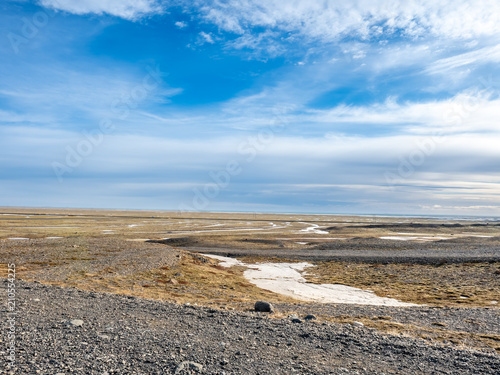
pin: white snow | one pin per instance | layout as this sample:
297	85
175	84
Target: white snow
53	238
313	229
286	279
18	238
415	234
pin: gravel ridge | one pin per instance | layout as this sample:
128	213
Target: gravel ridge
473	320
129	335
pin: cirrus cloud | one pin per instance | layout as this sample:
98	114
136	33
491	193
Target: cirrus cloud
127	9
329	20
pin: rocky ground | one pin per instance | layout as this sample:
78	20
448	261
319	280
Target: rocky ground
114	277
70	331
375	250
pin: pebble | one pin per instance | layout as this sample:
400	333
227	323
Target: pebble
310	317
188	365
76	322
358	324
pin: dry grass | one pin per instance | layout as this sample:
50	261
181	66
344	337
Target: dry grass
470	284
194	280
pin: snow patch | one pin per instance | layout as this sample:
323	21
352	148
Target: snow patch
286	279
313	229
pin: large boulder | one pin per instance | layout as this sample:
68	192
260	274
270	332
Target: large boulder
263	306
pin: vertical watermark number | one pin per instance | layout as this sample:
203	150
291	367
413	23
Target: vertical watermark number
11	316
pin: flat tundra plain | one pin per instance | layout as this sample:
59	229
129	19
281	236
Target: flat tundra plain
447	272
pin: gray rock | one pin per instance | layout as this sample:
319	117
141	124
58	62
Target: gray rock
188	365
76	323
358	324
310	317
263	306
296	320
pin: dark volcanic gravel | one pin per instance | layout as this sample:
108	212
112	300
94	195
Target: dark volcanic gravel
376	250
472	320
128	335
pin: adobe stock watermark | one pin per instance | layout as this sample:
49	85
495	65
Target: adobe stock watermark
247	150
120	109
29	29
462	107
11	316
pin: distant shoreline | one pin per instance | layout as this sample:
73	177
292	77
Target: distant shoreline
166	211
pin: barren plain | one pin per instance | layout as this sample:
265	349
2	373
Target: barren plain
449	268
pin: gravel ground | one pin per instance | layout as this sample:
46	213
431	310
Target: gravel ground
120	334
49	260
375	250
472	320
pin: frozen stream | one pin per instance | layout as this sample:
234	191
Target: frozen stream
286	279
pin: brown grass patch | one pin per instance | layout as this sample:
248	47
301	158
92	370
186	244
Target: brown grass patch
469	284
193	280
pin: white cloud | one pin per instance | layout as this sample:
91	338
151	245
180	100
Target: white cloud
128	9
486	54
181	24
331	21
263	41
206	38
55	94
467	112
462	172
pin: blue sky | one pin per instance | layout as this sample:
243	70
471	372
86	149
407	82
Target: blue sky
368	107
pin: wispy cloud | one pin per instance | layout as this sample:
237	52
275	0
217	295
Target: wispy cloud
181	24
205	38
332	21
490	54
128	9
469	112
298	174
